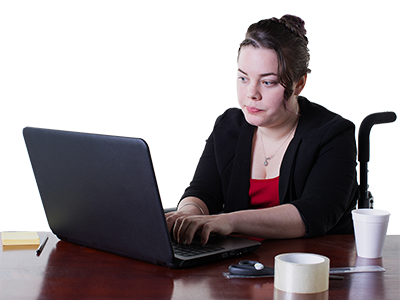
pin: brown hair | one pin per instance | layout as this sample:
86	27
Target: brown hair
287	37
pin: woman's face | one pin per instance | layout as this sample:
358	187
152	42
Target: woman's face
260	95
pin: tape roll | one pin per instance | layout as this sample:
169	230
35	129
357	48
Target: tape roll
302	273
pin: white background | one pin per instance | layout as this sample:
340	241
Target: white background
139	37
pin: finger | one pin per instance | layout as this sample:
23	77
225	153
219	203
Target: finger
195	226
184	229
175	228
170	220
178	228
181	230
206	231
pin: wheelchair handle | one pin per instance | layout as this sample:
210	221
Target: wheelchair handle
366	200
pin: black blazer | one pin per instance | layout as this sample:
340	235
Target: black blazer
317	175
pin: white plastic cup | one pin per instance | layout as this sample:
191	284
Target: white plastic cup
370	226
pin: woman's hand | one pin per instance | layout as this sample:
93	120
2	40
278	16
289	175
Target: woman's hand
171	217
185	226
278	222
178	222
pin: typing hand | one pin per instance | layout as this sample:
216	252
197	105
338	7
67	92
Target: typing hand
172	216
186	226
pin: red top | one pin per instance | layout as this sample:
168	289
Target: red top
264	192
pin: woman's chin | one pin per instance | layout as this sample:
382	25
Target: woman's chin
254	120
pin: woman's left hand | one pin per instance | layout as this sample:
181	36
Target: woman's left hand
186	227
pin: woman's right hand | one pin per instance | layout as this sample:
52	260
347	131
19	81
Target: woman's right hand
190	206
171	217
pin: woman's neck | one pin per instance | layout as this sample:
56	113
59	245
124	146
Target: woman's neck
281	131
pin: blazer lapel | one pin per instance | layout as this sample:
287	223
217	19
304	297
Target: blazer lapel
288	162
240	179
287	168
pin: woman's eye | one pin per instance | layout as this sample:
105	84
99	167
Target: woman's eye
268	83
242	79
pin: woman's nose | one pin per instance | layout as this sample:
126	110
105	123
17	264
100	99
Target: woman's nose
253	93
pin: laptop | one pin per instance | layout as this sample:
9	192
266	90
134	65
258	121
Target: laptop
101	192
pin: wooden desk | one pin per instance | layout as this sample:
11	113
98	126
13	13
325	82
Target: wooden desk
67	271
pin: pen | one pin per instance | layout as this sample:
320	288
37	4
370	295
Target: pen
335	277
41	246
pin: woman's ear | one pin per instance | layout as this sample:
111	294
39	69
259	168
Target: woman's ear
300	85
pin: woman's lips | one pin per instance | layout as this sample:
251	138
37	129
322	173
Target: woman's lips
253	110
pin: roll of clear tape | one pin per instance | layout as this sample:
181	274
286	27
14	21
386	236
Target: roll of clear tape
302	273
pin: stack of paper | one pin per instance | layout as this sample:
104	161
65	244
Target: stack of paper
20	238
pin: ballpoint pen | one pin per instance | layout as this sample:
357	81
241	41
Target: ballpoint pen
41	246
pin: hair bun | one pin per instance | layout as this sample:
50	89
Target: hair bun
296	24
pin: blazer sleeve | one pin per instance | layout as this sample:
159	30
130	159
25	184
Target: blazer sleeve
206	183
324	183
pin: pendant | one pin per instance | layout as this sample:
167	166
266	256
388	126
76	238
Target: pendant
266	161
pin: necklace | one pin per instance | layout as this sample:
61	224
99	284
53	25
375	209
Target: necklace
267	159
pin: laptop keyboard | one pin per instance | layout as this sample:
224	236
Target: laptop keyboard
195	248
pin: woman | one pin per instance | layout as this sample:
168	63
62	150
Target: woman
280	166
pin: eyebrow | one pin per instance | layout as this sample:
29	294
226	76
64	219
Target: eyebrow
261	75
